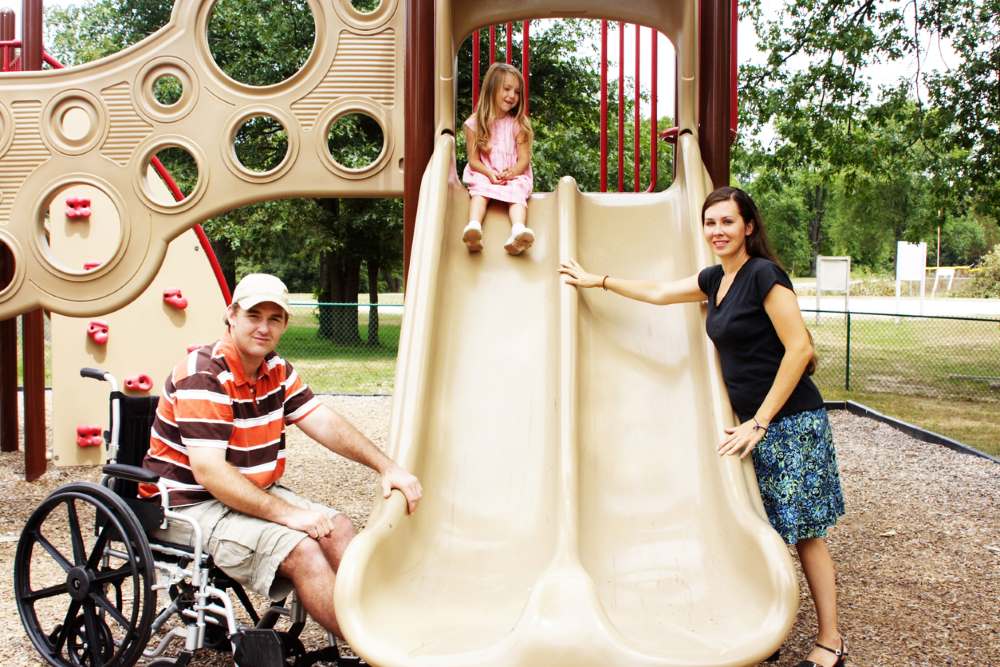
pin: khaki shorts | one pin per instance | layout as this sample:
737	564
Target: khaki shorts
248	549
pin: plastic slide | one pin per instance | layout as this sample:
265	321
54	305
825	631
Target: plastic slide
575	511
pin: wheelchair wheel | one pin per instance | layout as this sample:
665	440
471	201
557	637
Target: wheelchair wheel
83	579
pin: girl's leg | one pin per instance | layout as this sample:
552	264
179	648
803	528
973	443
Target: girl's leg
817	564
472	235
521	237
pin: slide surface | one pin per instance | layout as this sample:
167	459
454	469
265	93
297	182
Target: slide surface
575	510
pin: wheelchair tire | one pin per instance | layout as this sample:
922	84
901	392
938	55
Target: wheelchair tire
83	578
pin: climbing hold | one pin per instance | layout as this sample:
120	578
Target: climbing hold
89	436
98	332
90	266
139	383
77	208
175	299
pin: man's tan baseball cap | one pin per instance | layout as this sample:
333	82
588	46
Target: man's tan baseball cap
257	288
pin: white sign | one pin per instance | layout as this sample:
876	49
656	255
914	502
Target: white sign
833	274
911	261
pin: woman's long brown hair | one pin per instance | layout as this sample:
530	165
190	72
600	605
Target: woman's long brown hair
756	242
486	111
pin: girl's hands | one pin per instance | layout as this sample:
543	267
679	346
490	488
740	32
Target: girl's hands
506	174
576	275
741	439
495	177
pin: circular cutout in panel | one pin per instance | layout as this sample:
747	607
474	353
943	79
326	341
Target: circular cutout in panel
355	141
166	89
79	227
366	6
177	180
365	15
9	265
261	144
74	122
260	42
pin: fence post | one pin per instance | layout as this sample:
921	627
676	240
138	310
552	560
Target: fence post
847	365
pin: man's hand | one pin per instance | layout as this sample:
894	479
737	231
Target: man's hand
316	524
396	477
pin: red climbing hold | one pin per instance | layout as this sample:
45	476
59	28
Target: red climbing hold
175	299
98	332
89	436
139	383
77	208
90	266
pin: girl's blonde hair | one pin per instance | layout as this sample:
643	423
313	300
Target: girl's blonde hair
486	111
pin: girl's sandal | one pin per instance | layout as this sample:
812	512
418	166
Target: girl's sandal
841	655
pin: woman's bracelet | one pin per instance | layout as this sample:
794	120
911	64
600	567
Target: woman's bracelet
604	283
758	427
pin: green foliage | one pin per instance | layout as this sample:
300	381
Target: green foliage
986	280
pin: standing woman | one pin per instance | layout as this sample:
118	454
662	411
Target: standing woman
766	355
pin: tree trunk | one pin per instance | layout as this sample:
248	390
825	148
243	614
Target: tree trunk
373	265
227	260
340	275
817	207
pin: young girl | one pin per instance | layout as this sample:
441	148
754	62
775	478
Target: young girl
498	139
765	351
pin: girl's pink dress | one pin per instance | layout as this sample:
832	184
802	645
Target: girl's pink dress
502	155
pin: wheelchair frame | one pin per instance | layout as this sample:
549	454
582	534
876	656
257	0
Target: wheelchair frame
197	590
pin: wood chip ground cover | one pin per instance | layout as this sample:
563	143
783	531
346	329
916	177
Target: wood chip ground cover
918	552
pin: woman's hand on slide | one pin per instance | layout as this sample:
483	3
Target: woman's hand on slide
741	439
576	275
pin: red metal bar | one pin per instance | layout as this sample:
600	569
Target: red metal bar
9	426
510	43
15	65
51	61
636	119
654	129
493	44
733	69
604	106
714	90
621	106
475	69
525	59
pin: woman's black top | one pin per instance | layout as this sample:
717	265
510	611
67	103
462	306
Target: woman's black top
749	348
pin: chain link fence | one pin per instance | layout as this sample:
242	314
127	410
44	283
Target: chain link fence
344	348
943	358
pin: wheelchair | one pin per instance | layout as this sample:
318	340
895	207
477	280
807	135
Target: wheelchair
88	575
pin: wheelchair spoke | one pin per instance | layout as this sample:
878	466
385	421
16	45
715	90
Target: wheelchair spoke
49	591
94	638
74	533
67	626
114	576
52	551
98	551
111	609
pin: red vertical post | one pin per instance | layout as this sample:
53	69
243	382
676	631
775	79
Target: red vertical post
509	29
621	106
714	88
8	328
418	105
33	323
636	118
493	44
525	60
604	106
654	130
733	69
475	69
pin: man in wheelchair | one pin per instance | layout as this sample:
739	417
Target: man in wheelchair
218	444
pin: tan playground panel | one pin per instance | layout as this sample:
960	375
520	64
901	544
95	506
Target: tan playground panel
96	127
147	336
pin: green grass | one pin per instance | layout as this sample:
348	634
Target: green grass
941	375
328	367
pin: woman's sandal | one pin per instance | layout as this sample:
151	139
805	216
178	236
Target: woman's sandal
841	655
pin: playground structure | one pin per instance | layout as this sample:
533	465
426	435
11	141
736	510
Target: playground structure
576	510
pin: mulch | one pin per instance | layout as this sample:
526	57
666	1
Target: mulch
918	553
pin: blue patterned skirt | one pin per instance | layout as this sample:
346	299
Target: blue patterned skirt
796	469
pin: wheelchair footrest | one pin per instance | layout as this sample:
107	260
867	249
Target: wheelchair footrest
258	648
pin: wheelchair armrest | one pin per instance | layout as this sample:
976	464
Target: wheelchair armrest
131	473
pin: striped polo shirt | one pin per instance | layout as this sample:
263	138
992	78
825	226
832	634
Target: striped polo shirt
209	402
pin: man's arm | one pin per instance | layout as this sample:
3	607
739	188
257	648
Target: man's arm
339	436
231	488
